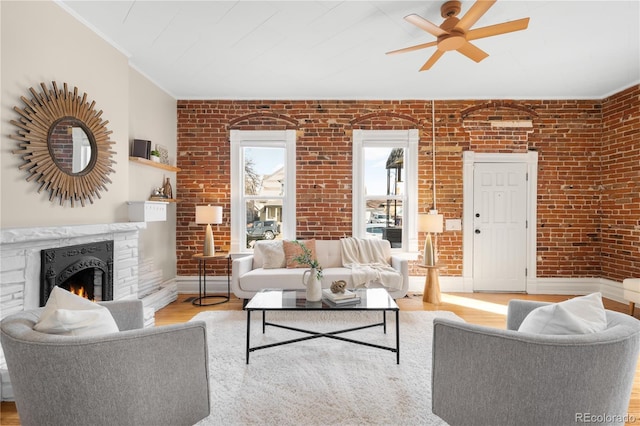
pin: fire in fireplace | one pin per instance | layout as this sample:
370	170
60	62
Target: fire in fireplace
84	269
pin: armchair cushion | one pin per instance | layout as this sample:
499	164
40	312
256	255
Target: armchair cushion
580	315
68	314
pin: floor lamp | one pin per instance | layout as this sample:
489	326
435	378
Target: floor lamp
430	223
208	215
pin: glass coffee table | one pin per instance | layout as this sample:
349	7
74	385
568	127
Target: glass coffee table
375	299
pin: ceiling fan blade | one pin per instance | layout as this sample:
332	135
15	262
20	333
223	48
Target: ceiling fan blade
472	52
432	60
412	48
425	25
491	30
476	11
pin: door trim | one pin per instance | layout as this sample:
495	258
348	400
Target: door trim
469	158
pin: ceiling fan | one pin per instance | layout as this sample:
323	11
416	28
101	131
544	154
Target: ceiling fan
455	34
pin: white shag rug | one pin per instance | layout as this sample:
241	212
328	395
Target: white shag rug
320	381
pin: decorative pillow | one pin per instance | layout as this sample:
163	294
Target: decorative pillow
272	255
292	250
580	315
68	314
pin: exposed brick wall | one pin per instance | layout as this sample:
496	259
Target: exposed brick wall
620	191
577	189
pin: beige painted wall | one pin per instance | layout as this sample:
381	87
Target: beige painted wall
41	42
152	116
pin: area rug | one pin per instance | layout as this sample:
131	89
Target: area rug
320	381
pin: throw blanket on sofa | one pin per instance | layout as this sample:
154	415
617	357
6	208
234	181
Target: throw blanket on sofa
367	261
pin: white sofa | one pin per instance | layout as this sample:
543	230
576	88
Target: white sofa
249	277
631	288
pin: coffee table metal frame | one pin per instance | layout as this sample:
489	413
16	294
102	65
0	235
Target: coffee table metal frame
302	305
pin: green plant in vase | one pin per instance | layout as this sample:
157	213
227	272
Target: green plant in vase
306	258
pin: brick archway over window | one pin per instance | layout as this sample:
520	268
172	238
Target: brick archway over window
499	127
367	121
515	109
264	120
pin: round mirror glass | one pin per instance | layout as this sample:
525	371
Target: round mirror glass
71	145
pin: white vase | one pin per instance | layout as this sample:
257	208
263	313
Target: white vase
313	285
155	158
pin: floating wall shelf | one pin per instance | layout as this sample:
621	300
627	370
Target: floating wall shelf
154	164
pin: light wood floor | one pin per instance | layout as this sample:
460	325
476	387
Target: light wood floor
476	308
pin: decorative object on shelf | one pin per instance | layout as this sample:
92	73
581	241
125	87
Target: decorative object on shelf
163	152
168	190
313	281
208	215
141	148
430	223
53	123
158	193
338	286
155	156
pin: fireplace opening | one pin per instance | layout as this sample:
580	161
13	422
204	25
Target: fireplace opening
83	283
84	269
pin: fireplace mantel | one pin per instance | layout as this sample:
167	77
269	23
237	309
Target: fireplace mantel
19	235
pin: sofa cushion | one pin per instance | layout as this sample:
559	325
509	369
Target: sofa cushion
580	315
293	249
272	255
329	253
68	314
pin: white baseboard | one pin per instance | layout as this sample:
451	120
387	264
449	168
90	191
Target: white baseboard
610	289
189	284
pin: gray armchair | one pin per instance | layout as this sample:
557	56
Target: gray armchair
487	376
139	376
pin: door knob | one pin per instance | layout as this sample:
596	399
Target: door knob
477	231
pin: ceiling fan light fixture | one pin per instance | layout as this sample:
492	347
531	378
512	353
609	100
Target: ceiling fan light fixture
454	33
453	41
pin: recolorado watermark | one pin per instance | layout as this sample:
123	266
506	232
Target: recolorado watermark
604	418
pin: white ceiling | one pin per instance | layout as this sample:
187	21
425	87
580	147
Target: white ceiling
336	49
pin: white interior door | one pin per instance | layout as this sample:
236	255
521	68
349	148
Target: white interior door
499	227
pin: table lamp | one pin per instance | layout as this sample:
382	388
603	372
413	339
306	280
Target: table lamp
430	223
208	215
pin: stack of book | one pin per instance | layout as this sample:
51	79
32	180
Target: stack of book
347	297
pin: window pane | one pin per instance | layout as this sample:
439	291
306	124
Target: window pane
375	173
384	220
264	172
264	220
383	170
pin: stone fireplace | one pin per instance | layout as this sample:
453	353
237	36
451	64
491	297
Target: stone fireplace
83	269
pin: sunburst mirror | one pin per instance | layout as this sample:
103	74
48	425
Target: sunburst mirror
65	144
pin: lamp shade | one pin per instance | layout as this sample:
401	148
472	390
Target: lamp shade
430	223
209	215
